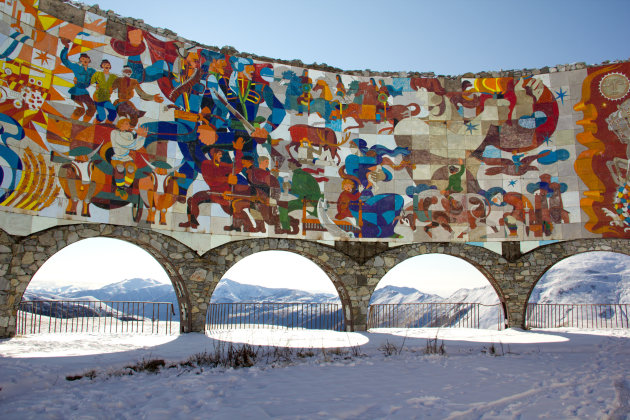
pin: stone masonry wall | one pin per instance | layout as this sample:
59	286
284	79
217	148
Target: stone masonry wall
195	277
20	258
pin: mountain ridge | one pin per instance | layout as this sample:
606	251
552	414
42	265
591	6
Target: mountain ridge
597	277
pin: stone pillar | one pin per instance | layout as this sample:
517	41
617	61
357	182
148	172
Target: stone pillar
7	318
360	306
356	284
515	279
187	273
202	275
364	272
201	283
17	279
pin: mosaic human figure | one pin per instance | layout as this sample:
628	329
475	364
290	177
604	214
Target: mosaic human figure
104	81
248	92
548	207
127	88
266	194
348	195
83	73
162	53
221	177
379	212
455	177
124	143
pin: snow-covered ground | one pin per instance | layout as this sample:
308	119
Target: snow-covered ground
532	374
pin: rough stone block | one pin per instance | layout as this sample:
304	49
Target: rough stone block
63	11
116	30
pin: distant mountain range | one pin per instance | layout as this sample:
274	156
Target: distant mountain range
425	316
394	294
148	290
230	291
136	289
592	278
595	277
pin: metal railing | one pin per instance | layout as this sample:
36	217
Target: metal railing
314	316
431	315
80	316
578	315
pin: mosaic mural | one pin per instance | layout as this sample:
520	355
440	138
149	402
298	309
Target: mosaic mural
160	133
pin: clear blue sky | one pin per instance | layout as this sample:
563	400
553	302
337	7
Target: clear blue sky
448	37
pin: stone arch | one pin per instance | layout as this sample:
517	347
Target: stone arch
325	257
550	255
31	252
480	258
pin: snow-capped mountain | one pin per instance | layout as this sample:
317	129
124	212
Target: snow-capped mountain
230	291
85	306
136	289
595	277
594	289
393	294
300	315
148	290
489	316
590	278
485	295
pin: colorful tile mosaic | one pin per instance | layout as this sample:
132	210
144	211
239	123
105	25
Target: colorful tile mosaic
158	132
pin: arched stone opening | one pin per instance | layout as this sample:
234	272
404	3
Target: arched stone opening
527	270
435	290
588	289
484	260
28	254
275	289
334	264
100	279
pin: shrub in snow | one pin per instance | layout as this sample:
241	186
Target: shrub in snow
433	348
389	349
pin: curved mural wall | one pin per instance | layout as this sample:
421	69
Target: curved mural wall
105	122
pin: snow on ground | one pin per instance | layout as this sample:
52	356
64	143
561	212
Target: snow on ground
535	374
